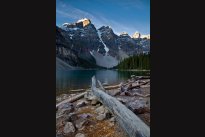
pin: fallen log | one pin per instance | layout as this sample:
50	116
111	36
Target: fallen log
145	86
148	95
101	86
142	77
72	99
138	94
137	86
130	122
112	87
77	90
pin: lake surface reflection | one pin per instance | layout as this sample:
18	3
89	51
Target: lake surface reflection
77	79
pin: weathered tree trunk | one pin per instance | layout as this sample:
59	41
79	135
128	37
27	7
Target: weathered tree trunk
131	123
72	99
137	86
142	77
112	87
77	90
101	86
144	96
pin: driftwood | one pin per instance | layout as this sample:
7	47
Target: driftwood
77	90
130	122
142	77
137	86
112	87
72	99
144	96
101	86
105	88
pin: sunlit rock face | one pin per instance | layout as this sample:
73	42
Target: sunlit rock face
146	36
136	35
79	24
83	22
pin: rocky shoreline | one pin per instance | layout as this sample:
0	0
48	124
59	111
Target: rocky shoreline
87	117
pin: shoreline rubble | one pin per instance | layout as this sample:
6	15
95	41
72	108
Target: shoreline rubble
88	117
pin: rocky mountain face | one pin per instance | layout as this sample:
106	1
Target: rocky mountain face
80	44
136	35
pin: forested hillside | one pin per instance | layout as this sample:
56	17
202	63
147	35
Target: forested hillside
135	62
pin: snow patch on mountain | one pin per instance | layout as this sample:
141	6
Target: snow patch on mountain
66	24
105	47
81	20
65	27
104	61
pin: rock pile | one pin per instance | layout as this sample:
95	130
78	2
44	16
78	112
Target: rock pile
88	117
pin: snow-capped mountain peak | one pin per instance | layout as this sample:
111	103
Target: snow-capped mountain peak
136	35
66	24
124	34
83	19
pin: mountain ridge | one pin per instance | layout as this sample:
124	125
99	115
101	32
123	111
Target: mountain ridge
102	47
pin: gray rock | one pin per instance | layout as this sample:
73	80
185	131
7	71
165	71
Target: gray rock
138	106
65	106
69	128
89	96
60	121
122	93
80	103
126	93
94	102
79	135
59	135
112	119
80	123
103	113
100	110
85	115
72	117
64	111
101	117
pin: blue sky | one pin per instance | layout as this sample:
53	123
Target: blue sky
122	15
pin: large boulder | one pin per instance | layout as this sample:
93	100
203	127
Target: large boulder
101	117
85	115
103	113
69	128
138	106
100	110
81	103
65	108
72	117
80	135
80	123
